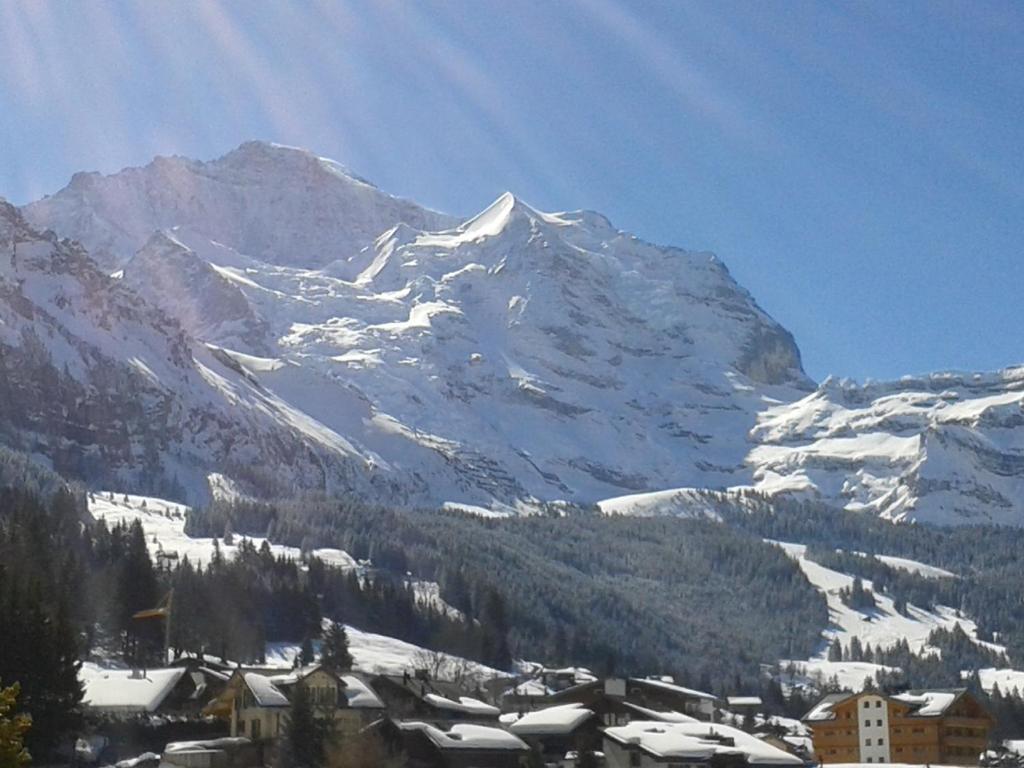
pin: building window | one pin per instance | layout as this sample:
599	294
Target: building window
255	729
881	742
878	723
867	723
867	742
878	703
867	704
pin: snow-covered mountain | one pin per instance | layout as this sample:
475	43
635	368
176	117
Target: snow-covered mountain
110	388
945	449
275	204
516	355
512	357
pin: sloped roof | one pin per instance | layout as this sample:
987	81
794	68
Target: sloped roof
698	741
359	694
264	690
468	736
823	710
126	690
930	703
561	719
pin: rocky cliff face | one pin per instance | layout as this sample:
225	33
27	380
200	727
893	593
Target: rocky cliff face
945	449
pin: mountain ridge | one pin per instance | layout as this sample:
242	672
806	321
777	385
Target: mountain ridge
507	359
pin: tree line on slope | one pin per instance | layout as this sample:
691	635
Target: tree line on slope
986	559
684	597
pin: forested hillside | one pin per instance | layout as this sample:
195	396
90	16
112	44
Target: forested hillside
691	598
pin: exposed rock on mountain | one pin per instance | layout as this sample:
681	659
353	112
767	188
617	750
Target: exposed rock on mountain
946	448
516	356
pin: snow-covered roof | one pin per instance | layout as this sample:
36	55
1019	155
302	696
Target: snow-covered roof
464	704
359	694
744	701
665	716
667	685
126	690
264	690
468	736
698	741
928	703
225	742
552	720
530	688
823	709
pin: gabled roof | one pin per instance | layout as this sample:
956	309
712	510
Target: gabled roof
126	690
922	703
264	690
442	695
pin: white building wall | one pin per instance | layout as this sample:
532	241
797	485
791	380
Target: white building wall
873	729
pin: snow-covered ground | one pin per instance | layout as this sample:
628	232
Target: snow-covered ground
164	524
881	627
680	502
1008	680
375	653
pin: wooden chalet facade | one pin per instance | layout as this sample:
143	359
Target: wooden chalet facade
947	727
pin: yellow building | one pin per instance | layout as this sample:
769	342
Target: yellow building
256	702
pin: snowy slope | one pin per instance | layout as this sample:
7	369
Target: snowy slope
380	654
109	388
945	449
438	352
164	524
882	627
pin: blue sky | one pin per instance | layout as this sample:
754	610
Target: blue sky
859	166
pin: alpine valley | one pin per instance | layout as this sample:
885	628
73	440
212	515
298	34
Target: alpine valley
267	388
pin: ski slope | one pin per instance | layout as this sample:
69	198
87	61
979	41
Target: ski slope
881	627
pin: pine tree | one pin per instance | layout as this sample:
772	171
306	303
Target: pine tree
334	652
306	655
304	735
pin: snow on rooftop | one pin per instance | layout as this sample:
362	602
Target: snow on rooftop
823	709
665	716
266	693
744	701
359	694
668	685
552	720
930	703
468	736
464	704
126	690
698	741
